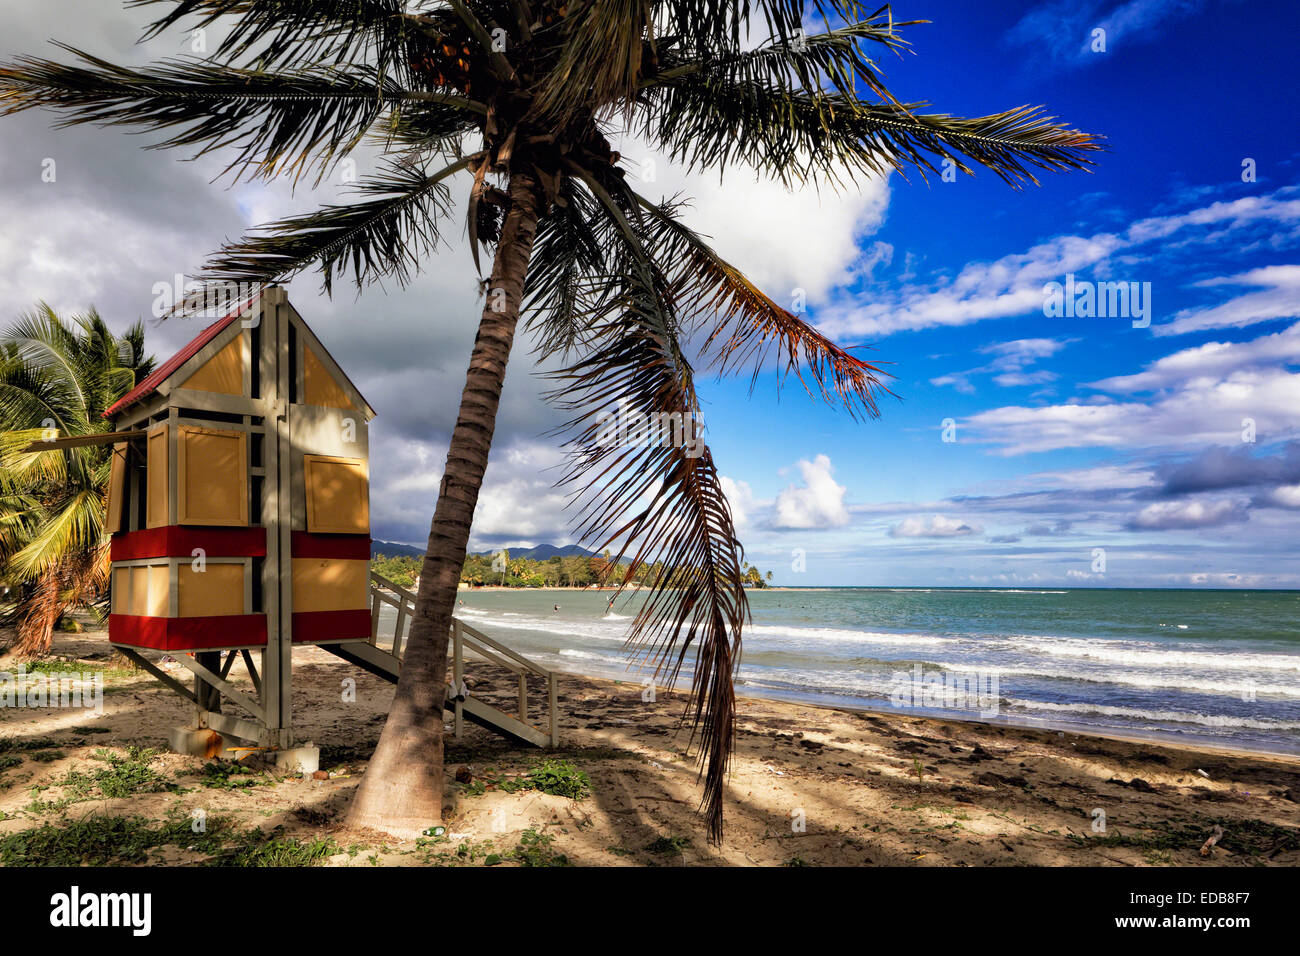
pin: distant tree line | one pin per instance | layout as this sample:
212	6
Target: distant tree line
501	570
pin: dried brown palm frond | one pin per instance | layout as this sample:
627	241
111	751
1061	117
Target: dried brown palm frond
743	326
679	517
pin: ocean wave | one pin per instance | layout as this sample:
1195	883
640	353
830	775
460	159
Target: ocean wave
1225	721
1205	685
1153	655
847	635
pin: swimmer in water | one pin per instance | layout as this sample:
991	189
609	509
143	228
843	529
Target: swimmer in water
557	607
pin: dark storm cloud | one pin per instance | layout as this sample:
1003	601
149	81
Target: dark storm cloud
1220	469
119	218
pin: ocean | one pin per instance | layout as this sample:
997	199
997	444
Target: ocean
1217	667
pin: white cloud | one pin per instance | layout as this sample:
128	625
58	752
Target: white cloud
741	499
1283	496
819	504
1278	298
1210	360
934	526
1062	29
1189	513
1204	396
1013	285
1010	361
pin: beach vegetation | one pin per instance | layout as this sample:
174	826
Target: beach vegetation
57	376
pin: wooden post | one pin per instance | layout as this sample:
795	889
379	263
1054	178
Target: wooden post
397	631
523	697
554	703
458	673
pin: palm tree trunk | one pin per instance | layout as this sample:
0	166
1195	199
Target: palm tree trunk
401	792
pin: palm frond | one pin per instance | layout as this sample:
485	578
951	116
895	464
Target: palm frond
745	327
601	59
386	235
837	57
286	121
679	517
77	527
297	31
566	273
711	122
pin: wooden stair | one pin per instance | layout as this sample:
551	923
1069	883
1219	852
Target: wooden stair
468	645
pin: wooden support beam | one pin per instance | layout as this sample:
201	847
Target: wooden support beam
238	727
74	441
252	671
225	687
148	665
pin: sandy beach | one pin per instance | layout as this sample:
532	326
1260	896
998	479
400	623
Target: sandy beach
809	785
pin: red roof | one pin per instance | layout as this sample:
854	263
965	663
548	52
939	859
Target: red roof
164	371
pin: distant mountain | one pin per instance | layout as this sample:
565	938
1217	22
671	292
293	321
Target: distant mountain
394	550
543	552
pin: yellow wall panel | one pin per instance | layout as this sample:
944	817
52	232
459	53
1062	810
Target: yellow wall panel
216	590
156	468
141	590
158	590
121	603
116	489
138	591
318	385
330	584
213	480
338	495
223	373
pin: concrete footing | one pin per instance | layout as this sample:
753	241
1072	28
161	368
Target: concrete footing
197	742
304	758
211	745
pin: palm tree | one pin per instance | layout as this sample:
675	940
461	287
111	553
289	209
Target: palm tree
56	378
522	97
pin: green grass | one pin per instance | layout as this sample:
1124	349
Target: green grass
56	665
105	840
670	844
537	849
101	840
557	777
124	775
9	745
257	850
227	775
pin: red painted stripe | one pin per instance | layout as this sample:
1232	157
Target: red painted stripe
347	547
188	633
178	541
311	626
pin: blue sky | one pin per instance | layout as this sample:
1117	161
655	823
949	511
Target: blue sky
1060	450
1081	444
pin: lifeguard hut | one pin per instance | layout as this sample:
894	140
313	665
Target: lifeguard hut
240	516
240	521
